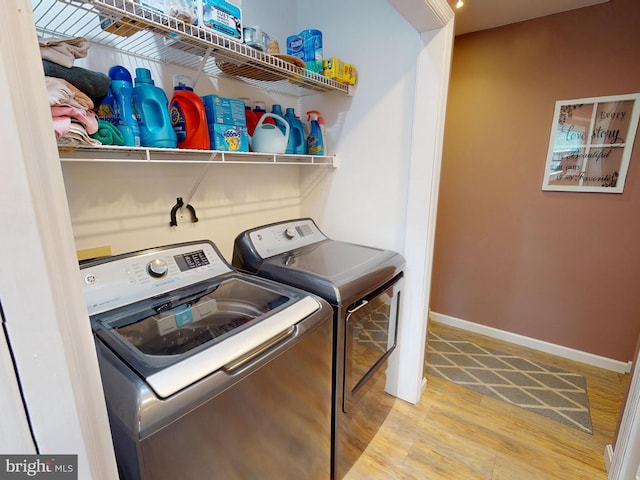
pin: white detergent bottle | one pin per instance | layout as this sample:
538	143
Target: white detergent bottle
315	140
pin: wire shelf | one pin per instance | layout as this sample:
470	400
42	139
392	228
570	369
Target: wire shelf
116	154
128	27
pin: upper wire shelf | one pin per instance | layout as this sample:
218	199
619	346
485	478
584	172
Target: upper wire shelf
139	31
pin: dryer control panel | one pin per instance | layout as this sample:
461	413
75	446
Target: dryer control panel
283	237
121	280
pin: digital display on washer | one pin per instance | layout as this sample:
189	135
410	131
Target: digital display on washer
304	230
191	260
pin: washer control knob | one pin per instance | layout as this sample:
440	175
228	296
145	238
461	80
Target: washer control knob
157	268
290	233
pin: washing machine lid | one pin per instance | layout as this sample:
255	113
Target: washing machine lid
178	313
174	341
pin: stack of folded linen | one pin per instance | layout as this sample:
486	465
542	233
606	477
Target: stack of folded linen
74	92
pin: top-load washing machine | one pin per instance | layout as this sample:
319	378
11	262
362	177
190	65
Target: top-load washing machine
209	373
363	285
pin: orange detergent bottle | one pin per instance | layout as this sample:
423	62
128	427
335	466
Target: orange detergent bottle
188	116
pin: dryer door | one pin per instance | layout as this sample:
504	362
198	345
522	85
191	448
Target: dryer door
370	337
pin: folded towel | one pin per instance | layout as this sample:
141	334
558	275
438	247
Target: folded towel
63	51
62	92
94	84
61	126
108	134
87	118
77	135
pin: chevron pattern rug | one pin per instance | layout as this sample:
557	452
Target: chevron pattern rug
545	390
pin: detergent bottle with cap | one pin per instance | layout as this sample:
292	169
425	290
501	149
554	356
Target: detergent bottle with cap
296	144
121	89
188	116
252	119
276	109
315	140
259	108
152	111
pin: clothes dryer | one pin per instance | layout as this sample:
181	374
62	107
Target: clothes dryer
363	285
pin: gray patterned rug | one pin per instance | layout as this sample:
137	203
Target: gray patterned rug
548	391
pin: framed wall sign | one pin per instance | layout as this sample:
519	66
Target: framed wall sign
590	144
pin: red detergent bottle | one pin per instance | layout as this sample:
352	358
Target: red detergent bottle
188	116
252	118
259	109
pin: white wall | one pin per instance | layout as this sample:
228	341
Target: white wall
128	206
365	200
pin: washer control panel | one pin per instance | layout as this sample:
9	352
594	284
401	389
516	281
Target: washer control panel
125	279
286	236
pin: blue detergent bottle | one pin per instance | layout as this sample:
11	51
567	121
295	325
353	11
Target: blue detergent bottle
107	111
277	109
296	144
315	141
152	111
121	89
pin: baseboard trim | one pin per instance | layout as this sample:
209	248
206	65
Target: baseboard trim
608	457
559	350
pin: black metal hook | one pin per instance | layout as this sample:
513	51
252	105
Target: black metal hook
179	204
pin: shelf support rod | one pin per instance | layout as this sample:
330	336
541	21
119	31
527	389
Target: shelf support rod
200	178
202	65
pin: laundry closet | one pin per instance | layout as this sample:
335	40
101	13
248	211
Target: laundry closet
376	185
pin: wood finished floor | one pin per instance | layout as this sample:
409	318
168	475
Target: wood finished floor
454	433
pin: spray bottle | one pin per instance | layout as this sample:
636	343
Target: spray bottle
315	140
121	88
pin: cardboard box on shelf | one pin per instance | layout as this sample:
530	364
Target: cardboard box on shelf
338	70
224	110
227	123
228	138
221	16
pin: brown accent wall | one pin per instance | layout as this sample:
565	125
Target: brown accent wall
555	266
